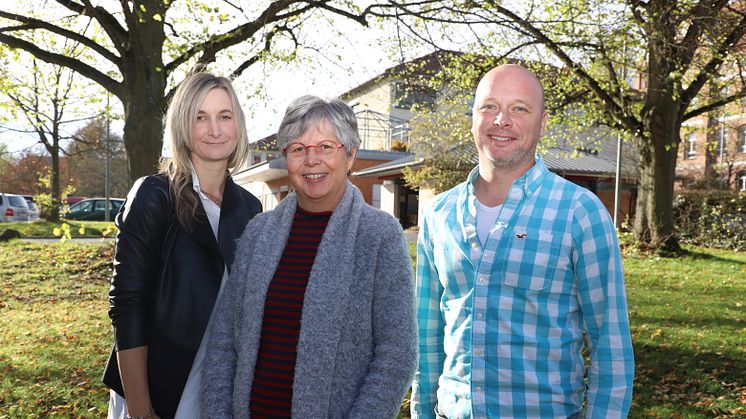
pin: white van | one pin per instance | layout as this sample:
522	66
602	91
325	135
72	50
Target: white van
13	208
33	210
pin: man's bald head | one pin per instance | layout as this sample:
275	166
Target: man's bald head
511	71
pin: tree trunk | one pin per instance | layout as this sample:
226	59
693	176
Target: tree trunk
661	124
654	225
145	86
143	136
56	190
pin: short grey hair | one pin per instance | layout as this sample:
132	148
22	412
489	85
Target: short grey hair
310	111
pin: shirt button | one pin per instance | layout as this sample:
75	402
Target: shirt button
479	389
480	316
475	245
478	352
482	280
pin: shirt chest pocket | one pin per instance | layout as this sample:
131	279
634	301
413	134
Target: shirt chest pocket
529	260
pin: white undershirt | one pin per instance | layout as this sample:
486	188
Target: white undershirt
189	403
486	217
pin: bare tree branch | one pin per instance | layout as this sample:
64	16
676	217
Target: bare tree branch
609	103
82	68
689	45
111	26
217	43
30	23
714	105
720	52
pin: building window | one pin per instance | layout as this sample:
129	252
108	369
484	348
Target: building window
722	145
376	198
742	138
407	95
400	132
691	146
742	181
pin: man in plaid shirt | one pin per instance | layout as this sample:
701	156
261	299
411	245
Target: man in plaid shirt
514	267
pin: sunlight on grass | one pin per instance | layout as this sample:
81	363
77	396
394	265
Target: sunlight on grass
689	334
688	327
54	329
76	228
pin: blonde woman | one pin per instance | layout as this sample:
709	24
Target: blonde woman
177	233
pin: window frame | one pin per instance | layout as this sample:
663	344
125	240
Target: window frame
741	181
691	146
722	150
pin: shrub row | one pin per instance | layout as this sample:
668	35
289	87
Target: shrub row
711	218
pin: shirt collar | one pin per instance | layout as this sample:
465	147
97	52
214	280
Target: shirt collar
195	182
529	181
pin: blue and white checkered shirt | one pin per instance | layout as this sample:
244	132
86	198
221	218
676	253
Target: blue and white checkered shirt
501	325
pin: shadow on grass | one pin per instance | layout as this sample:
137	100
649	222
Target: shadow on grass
695	254
688	383
696	322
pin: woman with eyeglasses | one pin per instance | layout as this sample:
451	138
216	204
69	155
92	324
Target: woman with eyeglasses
317	318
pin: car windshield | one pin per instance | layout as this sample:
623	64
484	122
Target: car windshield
82	206
96	205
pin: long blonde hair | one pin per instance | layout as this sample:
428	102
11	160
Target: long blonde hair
180	116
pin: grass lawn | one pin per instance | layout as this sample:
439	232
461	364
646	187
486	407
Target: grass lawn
53	328
687	315
688	318
77	228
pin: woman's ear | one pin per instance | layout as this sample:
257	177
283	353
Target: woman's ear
351	161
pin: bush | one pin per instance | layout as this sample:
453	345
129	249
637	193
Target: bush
711	218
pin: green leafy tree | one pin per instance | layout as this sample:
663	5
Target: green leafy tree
141	48
440	138
440	133
88	156
641	67
47	98
6	160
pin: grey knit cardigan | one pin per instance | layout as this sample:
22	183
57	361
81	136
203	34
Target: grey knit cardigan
357	349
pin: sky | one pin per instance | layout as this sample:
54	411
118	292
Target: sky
356	59
362	58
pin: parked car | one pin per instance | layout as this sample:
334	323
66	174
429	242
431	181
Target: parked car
74	199
13	208
33	211
94	209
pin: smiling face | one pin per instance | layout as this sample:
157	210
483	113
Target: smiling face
319	181
508	118
214	131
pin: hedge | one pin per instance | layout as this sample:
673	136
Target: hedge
711	218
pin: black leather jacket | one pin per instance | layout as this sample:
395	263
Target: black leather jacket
166	281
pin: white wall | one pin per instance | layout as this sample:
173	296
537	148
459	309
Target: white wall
425	199
266	196
389	199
